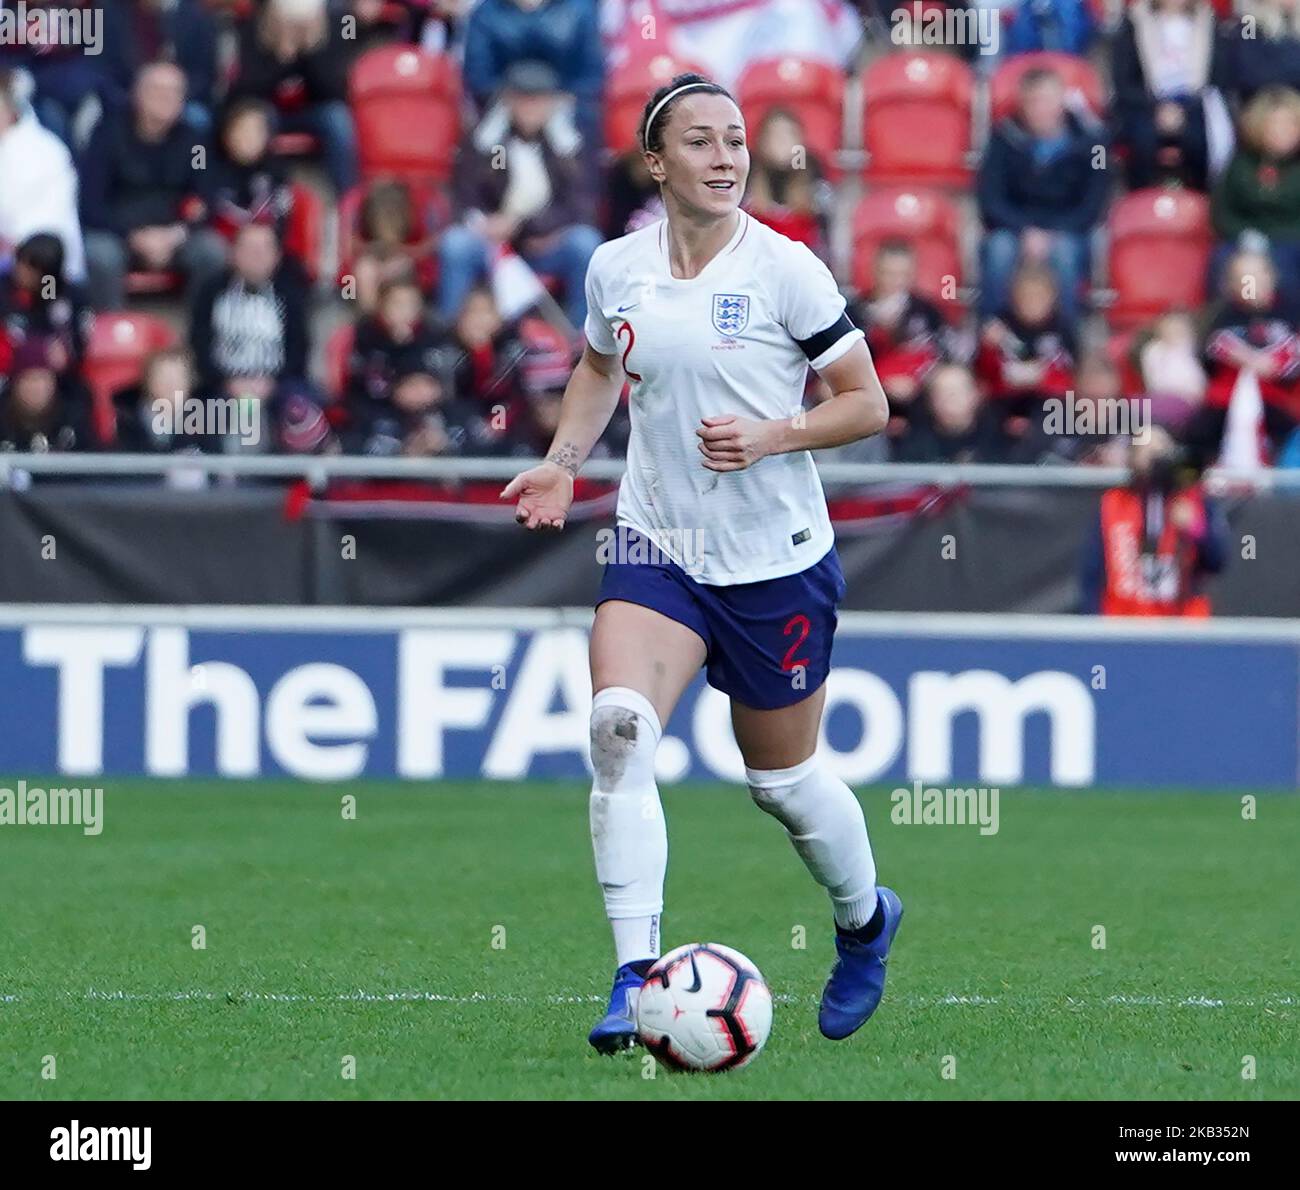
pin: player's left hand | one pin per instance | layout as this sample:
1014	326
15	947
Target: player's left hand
733	443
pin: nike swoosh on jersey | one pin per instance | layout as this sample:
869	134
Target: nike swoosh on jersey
625	309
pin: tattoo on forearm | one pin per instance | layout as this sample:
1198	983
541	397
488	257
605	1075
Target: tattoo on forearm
566	455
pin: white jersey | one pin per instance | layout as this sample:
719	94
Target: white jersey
737	339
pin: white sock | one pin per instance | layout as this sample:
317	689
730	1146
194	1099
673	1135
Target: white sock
826	826
635	938
628	834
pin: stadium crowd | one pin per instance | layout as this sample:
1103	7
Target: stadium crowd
1121	184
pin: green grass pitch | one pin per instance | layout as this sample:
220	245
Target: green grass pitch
451	941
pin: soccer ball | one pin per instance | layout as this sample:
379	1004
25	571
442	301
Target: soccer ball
704	1006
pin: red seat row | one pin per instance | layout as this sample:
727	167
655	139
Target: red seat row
1159	245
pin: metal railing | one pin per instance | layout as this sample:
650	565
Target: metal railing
320	470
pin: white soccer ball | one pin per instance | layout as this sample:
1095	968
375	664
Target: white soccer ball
704	1006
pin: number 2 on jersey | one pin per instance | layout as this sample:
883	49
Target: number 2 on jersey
631	338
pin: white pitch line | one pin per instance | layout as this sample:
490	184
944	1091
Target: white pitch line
951	999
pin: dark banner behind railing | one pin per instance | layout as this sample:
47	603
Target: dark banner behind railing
902	548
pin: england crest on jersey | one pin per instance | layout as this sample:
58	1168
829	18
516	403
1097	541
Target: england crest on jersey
730	313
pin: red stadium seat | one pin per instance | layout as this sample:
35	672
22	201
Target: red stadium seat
626	90
1160	243
1078	74
303	230
406	104
115	355
929	221
338	347
916	119
812	91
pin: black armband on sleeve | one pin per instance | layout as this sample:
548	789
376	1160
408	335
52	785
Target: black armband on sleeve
814	345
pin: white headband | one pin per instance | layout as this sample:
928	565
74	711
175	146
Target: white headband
658	106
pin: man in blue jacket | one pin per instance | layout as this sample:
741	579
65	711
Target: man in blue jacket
1043	187
565	34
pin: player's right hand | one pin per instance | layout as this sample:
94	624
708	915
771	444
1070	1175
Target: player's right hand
544	495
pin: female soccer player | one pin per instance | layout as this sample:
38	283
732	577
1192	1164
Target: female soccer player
725	555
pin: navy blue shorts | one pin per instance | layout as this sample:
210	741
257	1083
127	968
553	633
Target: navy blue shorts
769	643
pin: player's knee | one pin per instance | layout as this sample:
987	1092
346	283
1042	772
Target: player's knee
624	736
770	798
783	793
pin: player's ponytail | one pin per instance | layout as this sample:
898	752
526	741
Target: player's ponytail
660	106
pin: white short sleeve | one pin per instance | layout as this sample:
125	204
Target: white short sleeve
813	310
597	328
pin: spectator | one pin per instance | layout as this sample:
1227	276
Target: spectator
301	426
1086	426
140	193
1042	189
419	420
395	343
786	188
1251	334
489	355
1262	47
137	32
1173	377
150	417
1163	60
293	52
397	242
954	425
35	415
563	34
249	324
401	398
70	83
534	198
1156	539
245	182
632	197
38	182
905	331
44	314
1027	353
1259	193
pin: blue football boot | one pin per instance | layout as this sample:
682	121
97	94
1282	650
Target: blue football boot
618	1030
857	980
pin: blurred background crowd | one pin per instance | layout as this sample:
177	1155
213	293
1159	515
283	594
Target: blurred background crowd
371	219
